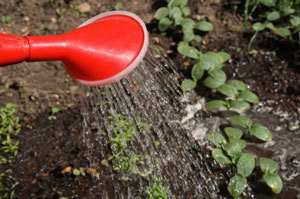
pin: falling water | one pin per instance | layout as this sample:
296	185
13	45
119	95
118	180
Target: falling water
168	144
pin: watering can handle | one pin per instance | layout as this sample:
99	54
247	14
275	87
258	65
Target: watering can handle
15	49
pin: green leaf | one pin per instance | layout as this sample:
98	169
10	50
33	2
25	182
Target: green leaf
228	90
225	56
197	71
197	38
183	3
242	121
274	182
188	51
186	11
220	157
216	138
188	85
204	26
239	105
177	15
248	96
233	133
215	79
242	143
188	35
287	11
295	21
187	24
270	26
261	132
161	13
268	165
216	104
118	6
236	186
173	3
267	3
258	27
273	16
211	60
246	164
233	149
216	57
239	85
76	172
164	24
283	32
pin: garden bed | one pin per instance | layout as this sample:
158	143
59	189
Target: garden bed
51	146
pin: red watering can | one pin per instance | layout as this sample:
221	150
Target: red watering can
101	51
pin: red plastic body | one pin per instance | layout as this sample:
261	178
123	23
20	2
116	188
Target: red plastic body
96	53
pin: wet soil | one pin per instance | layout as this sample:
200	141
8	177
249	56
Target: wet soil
47	147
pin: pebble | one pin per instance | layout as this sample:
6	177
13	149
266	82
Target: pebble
84	8
105	163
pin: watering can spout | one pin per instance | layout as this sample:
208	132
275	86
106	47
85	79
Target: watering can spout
102	50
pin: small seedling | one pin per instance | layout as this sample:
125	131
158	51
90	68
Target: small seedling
7	184
53	113
279	17
230	151
79	172
118	6
125	160
176	14
9	130
156	190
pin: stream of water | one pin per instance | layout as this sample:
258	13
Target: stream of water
171	144
151	94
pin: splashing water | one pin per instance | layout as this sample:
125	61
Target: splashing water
170	149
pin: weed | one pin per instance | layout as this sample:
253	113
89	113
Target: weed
6	19
118	6
156	190
7	184
9	130
53	113
126	161
4	89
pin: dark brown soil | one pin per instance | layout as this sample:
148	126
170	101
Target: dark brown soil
272	69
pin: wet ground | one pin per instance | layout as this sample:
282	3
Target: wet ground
47	147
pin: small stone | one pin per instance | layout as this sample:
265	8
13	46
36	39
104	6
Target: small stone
92	172
84	8
25	31
66	170
53	20
26	19
105	163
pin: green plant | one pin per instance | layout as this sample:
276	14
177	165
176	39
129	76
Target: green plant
79	172
4	89
118	6
279	16
233	95
123	132
53	113
6	19
176	14
229	150
156	190
9	130
7	184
